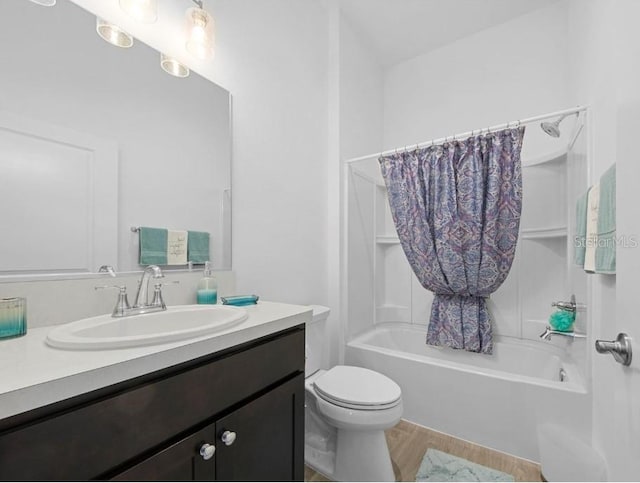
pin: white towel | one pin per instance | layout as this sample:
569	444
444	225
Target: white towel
177	247
593	203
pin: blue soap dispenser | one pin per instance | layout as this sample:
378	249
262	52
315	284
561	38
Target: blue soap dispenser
207	287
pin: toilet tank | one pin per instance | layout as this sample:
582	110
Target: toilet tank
316	348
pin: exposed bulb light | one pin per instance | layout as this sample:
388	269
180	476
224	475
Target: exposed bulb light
113	34
173	67
200	32
145	11
45	3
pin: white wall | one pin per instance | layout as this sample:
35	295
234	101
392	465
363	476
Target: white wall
514	70
275	65
361	121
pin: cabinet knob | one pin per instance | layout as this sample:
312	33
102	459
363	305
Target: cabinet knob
207	451
228	437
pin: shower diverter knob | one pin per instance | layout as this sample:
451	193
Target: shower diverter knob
620	348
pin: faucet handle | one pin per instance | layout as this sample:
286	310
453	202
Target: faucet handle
157	294
107	269
122	305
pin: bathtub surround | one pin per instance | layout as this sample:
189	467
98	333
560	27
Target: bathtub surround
456	208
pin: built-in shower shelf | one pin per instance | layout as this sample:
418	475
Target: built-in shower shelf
542	233
553	157
393	313
387	240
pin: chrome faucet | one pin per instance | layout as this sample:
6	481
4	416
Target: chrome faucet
107	269
548	332
141	305
142	297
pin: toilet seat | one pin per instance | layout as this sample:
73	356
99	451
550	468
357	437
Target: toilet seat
357	388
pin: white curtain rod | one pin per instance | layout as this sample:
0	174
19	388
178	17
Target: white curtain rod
498	127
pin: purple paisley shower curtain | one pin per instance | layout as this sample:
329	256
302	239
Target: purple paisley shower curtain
456	208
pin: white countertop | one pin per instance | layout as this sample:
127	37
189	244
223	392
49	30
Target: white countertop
32	374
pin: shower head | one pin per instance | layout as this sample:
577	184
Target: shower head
553	128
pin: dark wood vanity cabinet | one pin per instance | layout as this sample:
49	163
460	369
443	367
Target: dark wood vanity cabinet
172	425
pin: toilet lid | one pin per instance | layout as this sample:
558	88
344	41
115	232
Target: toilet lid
357	387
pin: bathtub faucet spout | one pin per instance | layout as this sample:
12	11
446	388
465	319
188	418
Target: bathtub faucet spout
548	332
546	335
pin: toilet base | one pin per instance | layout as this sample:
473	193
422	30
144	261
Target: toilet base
362	456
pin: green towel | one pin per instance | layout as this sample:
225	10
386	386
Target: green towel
153	246
580	244
198	247
606	249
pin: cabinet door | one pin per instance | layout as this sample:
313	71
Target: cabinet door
179	462
268	437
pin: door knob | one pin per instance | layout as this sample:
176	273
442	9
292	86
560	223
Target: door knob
620	348
207	451
228	437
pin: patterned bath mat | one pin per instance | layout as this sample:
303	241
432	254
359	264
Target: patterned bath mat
439	466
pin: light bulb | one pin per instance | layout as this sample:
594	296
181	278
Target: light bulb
113	34
173	67
145	11
45	3
200	33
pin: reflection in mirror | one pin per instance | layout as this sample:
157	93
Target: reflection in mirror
96	139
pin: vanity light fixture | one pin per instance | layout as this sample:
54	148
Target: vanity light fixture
113	34
45	3
173	67
199	32
145	11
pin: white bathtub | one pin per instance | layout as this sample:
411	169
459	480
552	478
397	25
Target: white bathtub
496	401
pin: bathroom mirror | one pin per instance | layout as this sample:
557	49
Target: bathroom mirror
95	140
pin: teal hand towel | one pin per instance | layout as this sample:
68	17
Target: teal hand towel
198	246
153	246
606	249
580	241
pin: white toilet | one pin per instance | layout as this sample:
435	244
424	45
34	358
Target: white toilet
347	410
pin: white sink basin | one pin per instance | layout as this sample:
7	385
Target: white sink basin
175	323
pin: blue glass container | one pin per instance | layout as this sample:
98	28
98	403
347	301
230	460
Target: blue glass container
13	317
